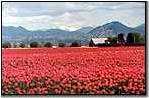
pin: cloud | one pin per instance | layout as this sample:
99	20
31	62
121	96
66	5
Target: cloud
58	8
71	15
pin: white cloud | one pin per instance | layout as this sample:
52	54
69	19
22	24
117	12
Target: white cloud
71	15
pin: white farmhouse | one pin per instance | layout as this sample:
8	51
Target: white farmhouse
97	41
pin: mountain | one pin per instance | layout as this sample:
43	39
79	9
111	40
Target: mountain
84	30
52	33
10	33
141	28
110	29
21	31
80	34
14	31
20	34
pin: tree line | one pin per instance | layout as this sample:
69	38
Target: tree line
131	39
38	45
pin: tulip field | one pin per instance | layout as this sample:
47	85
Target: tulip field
102	70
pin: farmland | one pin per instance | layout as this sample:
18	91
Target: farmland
105	70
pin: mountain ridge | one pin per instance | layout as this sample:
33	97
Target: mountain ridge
113	28
85	33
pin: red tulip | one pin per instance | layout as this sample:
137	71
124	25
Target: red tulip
94	71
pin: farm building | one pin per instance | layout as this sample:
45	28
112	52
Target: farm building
54	46
98	41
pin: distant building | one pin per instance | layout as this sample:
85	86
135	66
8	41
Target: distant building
98	41
54	46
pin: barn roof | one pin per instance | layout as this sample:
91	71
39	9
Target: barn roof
99	40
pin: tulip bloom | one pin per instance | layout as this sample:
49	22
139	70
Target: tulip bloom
106	70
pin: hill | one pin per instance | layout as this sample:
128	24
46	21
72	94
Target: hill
84	34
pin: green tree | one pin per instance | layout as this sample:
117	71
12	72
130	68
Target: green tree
22	45
61	44
130	38
137	37
109	39
121	38
113	40
34	44
142	39
75	44
47	44
6	45
14	45
91	43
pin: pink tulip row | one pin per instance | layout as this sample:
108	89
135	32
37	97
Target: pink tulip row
106	70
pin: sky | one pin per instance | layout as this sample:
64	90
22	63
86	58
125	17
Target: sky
71	15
